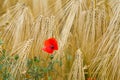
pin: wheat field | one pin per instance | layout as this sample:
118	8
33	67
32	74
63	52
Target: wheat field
87	31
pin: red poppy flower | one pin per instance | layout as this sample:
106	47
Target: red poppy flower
50	45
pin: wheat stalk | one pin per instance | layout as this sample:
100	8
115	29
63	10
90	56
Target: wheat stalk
19	26
67	27
105	65
20	66
77	71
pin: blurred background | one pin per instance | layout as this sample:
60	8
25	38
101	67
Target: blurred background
87	31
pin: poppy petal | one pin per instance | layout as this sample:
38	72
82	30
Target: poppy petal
50	45
53	42
46	49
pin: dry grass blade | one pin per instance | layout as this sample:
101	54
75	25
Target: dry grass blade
77	70
41	8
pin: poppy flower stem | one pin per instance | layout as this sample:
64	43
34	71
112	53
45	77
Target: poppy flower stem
51	57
